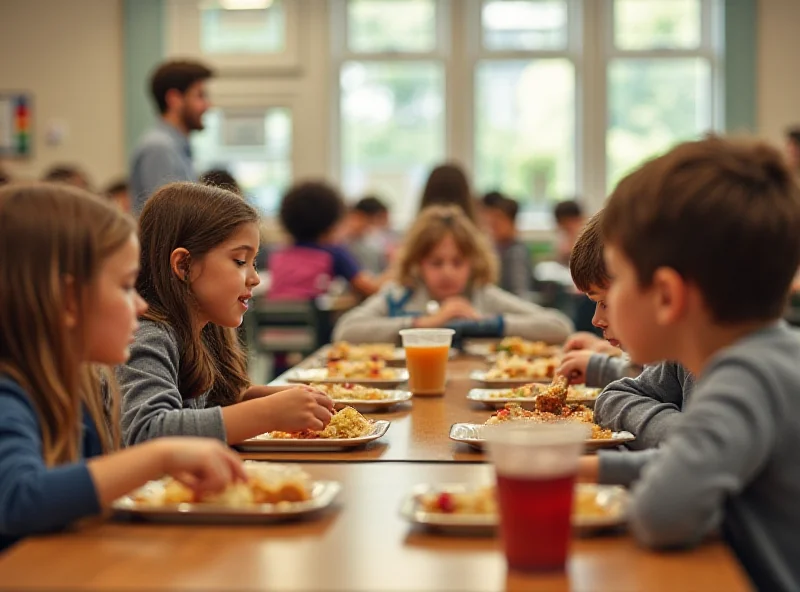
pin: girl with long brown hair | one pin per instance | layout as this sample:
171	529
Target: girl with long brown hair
68	263
446	272
187	372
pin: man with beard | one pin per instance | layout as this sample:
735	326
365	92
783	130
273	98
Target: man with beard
163	154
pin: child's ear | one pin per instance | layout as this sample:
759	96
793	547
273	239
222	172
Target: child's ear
671	293
180	261
70	302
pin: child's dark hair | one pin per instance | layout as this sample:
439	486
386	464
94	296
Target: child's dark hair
724	214
178	75
586	263
64	173
566	210
370	206
448	185
491	198
793	135
220	178
507	206
311	209
197	218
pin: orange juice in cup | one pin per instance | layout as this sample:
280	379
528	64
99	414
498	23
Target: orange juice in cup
427	351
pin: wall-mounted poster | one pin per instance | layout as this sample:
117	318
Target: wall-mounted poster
15	125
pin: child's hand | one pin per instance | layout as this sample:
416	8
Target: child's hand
583	340
299	408
202	464
457	308
574	365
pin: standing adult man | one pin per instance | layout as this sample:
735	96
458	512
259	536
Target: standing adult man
163	154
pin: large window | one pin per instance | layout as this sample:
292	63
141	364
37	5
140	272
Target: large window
661	78
391	118
254	145
542	99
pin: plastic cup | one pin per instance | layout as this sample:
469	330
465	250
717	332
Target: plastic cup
536	465
427	351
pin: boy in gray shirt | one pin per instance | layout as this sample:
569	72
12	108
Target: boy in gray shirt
589	359
678	231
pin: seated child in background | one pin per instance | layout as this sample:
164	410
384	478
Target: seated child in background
569	222
516	275
446	271
221	178
119	195
678	232
358	233
587	361
310	213
68	263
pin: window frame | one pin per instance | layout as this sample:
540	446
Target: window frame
183	38
590	48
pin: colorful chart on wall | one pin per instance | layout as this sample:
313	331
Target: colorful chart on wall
15	125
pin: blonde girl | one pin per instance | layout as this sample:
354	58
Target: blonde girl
445	278
68	263
187	372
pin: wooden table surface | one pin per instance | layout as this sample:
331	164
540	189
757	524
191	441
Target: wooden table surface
360	544
419	430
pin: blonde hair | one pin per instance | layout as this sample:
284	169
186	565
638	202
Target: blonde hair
52	236
432	225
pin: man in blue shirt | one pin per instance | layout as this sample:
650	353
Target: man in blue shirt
163	154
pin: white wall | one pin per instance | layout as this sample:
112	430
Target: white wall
778	59
68	54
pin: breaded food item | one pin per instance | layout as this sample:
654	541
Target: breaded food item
516	346
370	370
267	483
506	367
580	413
342	350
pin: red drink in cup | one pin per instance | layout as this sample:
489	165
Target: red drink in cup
536	466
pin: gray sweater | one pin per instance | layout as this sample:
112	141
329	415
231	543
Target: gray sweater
603	369
647	406
152	405
731	461
379	320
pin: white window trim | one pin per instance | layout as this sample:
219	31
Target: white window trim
183	39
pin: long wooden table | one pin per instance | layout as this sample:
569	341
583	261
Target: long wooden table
419	430
360	544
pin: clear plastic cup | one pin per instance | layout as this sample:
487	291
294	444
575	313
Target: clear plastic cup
427	351
536	465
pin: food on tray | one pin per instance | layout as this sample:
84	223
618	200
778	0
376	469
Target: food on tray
346	423
516	346
530	391
483	501
509	367
342	350
513	412
351	392
369	370
480	501
267	483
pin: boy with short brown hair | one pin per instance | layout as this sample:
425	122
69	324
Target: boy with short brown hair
678	232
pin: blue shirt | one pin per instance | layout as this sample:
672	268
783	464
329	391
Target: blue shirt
162	156
35	498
